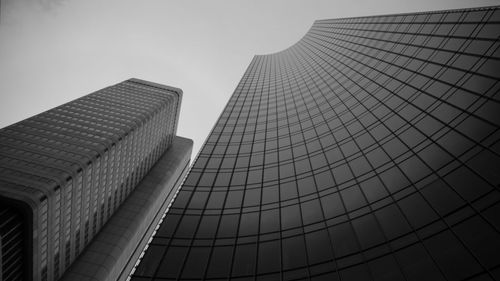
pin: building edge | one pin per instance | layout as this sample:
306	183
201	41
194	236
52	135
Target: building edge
176	91
113	252
316	22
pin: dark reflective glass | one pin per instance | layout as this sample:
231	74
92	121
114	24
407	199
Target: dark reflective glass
455	261
252	197
244	260
481	238
172	262
368	231
249	224
288	190
167	229
353	198
228	226
207	227
442	197
386	268
270	195
343	239
417	210
151	261
220	262
373	189
187	226
366	151
311	211
234	199
216	200
359	272
318	247
269	257
392	221
469	185
293	252
290	216
196	262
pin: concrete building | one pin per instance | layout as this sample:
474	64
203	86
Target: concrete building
368	150
79	184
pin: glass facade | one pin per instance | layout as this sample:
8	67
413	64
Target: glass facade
368	150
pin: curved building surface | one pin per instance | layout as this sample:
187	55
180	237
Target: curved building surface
369	150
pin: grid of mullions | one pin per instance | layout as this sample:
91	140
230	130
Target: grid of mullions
11	256
96	148
369	150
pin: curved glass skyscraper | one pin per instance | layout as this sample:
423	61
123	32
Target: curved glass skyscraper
369	150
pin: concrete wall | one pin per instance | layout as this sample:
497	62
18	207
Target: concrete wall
113	252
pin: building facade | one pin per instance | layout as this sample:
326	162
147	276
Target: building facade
368	150
114	251
66	171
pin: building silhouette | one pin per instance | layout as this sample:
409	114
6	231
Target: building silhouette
368	150
75	192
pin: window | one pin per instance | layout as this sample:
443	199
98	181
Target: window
207	227
368	231
417	211
172	262
252	197
394	179
441	197
467	184
353	198
311	211
306	186
288	190
220	261
269	257
290	216
318	246
198	200
342	173
294	252
187	226
249	224
196	262
228	226
244	260
270	194
455	261
343	239
392	221
234	198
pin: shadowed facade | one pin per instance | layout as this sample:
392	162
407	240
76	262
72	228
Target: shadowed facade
369	150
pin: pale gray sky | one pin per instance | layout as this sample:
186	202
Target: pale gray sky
53	51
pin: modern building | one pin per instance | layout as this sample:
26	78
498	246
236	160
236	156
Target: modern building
79	188
368	150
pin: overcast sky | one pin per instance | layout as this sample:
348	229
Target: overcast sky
53	51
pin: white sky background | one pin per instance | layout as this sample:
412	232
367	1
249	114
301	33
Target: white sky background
53	51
